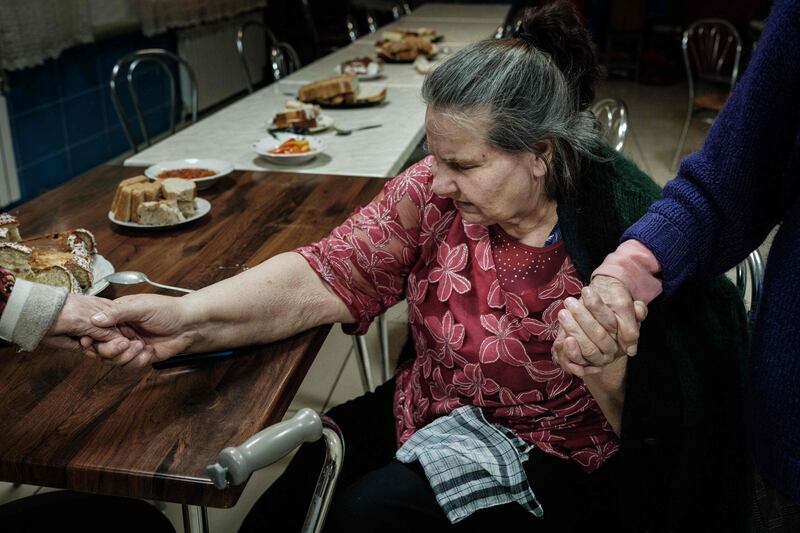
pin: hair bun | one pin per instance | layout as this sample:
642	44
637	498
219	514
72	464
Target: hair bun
556	29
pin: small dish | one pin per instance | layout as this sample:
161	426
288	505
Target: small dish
220	166
101	267
263	146
324	122
202	208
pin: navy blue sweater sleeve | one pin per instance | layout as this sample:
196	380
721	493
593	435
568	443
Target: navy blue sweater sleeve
727	197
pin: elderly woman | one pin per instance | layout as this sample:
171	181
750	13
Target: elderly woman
486	239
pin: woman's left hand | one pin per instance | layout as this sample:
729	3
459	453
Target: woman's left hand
591	331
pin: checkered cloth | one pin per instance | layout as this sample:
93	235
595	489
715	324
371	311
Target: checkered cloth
471	464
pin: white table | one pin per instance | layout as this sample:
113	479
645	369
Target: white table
229	133
490	12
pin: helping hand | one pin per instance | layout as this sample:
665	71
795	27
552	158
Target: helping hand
600	328
157	327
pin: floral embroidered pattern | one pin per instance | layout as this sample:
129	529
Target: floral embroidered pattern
451	261
478	341
566	281
545	329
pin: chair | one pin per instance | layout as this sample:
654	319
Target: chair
612	116
754	266
712	49
352	28
283	58
162	58
240	34
234	465
372	24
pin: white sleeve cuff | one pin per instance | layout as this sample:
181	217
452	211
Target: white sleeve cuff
14	306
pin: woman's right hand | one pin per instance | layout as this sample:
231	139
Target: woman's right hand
158	327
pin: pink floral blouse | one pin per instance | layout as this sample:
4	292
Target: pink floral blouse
482	336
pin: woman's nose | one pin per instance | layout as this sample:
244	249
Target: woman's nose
443	183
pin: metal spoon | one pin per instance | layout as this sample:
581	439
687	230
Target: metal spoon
342	131
134	278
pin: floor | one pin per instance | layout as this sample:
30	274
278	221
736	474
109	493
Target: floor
656	115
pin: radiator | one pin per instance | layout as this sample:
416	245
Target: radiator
211	51
9	183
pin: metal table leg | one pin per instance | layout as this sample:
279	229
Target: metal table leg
195	518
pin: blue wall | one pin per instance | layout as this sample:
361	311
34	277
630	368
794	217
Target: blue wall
62	120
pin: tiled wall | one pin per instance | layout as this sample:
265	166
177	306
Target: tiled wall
62	120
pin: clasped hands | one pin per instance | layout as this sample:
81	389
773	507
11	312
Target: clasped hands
599	328
132	330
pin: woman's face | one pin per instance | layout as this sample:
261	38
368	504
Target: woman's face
487	185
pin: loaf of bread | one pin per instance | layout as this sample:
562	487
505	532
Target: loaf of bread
160	212
62	259
121	205
327	89
408	48
77	241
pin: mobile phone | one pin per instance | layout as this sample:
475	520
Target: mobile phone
191	359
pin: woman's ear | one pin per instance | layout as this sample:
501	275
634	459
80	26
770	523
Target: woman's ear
540	158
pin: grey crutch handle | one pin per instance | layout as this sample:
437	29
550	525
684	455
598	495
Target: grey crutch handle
234	465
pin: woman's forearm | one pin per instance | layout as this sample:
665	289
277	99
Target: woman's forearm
277	299
608	390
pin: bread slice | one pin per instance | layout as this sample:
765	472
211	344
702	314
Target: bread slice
9	228
298	115
14	257
57	276
121	205
80	267
328	88
187	209
141	193
178	189
159	213
371	94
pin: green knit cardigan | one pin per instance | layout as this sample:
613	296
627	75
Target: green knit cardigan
684	461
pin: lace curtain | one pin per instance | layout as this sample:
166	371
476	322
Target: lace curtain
32	31
160	15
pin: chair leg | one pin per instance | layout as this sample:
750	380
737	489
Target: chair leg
682	140
383	330
364	367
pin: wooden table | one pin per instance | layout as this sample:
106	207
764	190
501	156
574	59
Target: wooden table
70	422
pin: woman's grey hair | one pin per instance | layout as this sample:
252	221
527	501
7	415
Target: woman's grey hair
526	100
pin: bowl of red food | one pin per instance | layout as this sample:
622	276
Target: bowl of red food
204	172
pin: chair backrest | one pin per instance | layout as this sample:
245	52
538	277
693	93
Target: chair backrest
750	272
712	49
352	28
240	34
612	116
372	24
283	59
129	63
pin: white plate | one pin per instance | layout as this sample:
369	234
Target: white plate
221	168
323	123
101	267
202	207
363	77
263	146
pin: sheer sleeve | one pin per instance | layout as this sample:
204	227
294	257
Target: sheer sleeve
367	259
